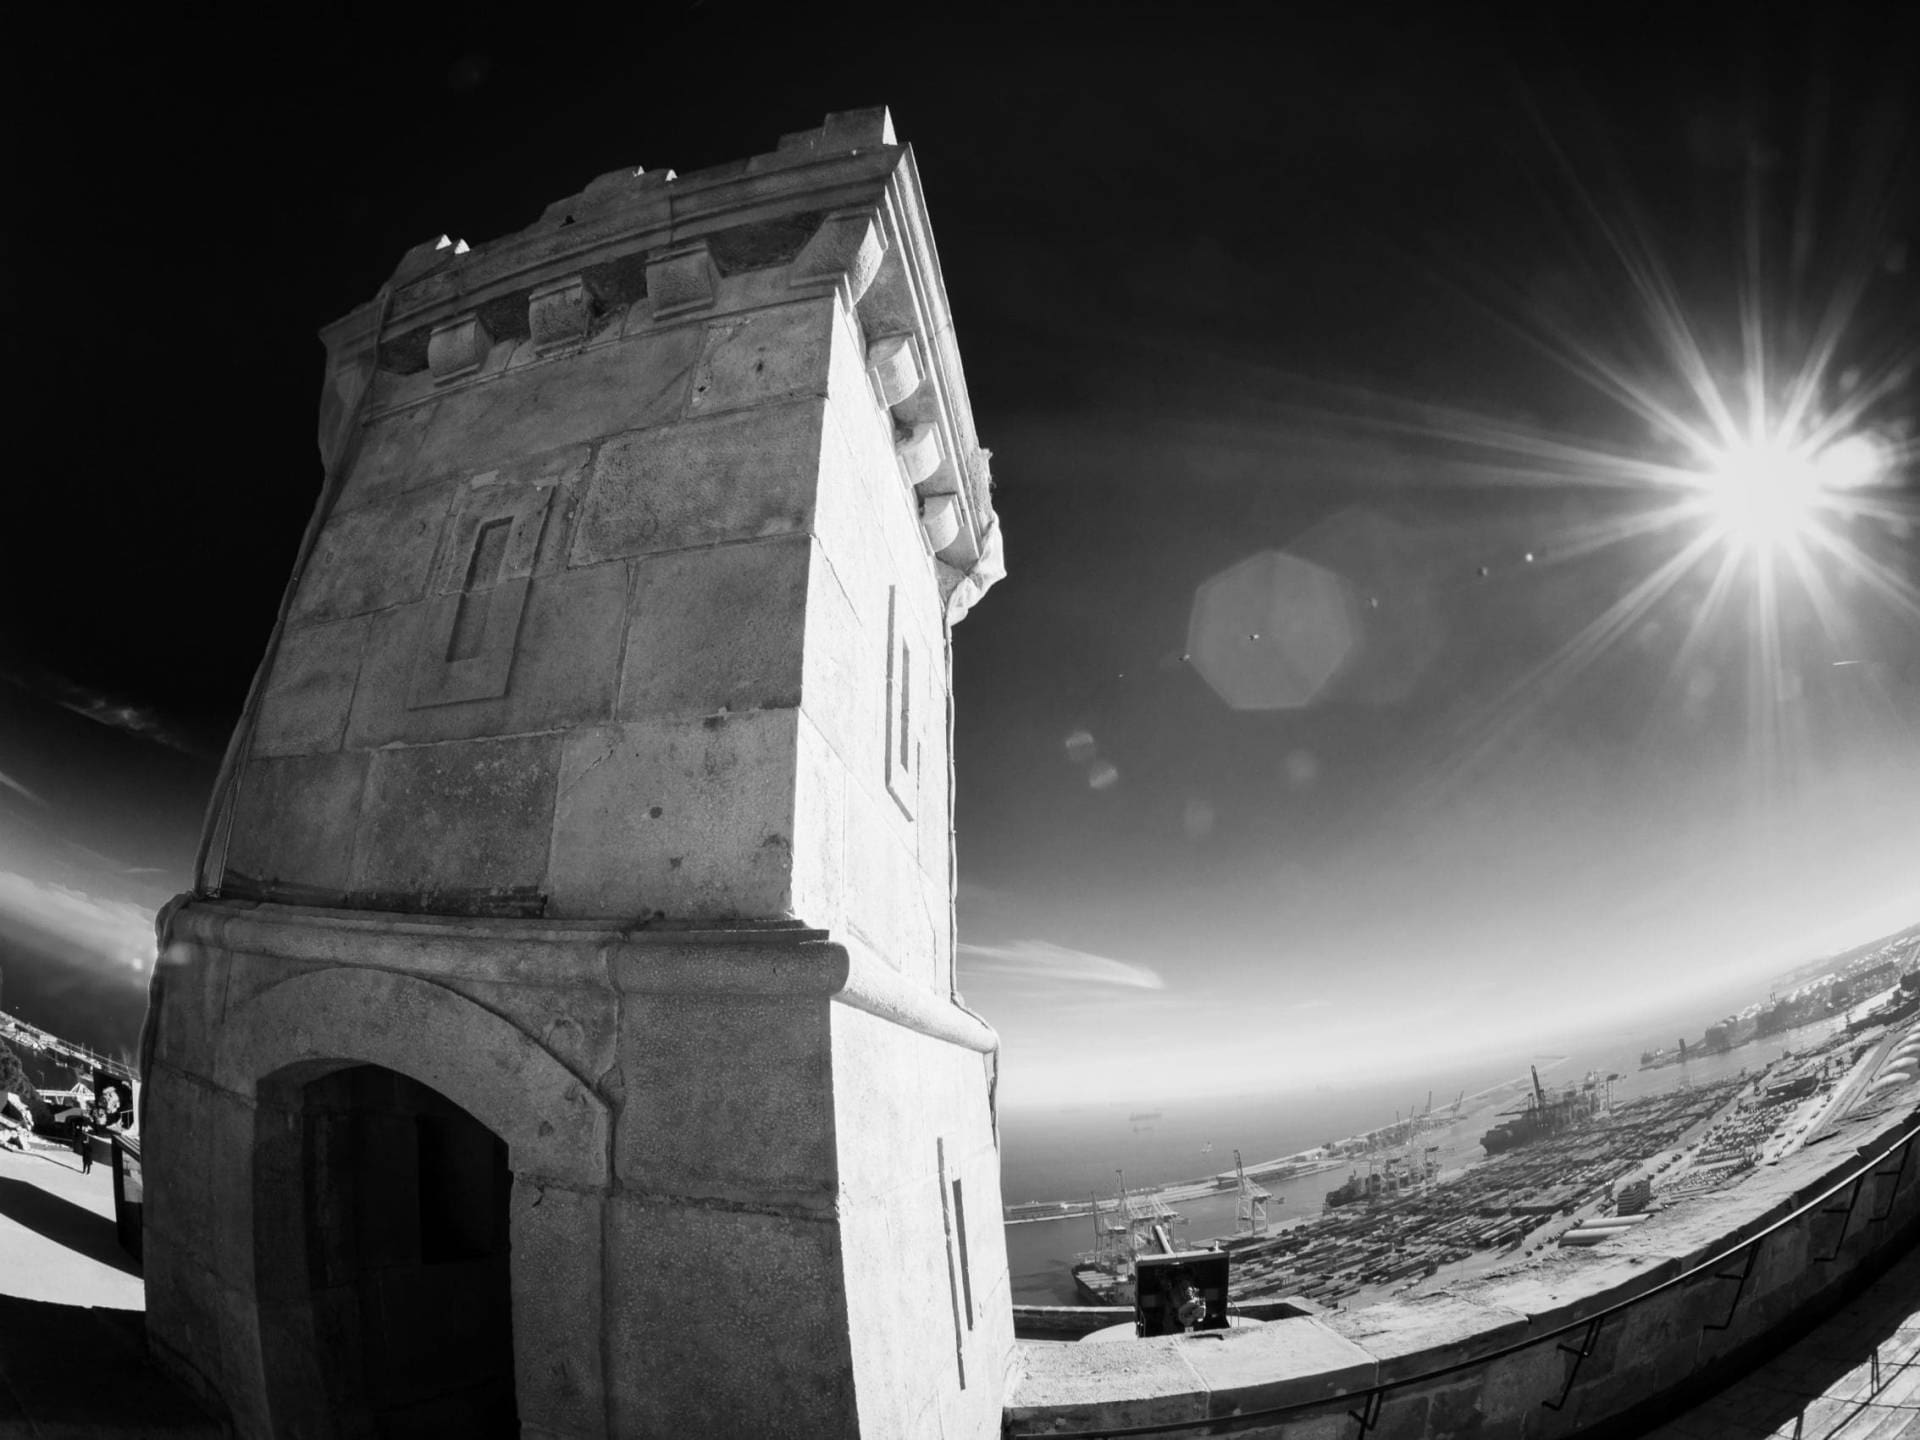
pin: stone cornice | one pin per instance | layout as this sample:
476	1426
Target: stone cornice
734	958
842	207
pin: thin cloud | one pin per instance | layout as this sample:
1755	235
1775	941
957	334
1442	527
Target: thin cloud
1043	960
117	715
102	709
12	784
117	933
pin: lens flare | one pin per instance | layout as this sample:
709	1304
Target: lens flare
1769	495
1764	495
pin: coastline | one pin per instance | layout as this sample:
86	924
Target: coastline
1352	1150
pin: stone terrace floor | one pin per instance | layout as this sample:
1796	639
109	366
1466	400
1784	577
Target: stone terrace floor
73	1361
1828	1385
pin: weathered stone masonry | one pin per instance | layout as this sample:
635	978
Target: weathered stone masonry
572	973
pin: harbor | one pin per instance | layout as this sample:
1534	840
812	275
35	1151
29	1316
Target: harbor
1455	1217
1455	1187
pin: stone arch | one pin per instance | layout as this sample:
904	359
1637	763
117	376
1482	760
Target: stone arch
304	1036
554	1125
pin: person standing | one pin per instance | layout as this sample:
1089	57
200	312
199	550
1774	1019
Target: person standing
84	1143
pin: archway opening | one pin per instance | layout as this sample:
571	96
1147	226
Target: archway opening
406	1238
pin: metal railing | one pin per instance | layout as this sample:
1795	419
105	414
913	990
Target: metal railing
1589	1328
32	1037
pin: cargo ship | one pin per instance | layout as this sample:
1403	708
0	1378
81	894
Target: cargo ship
1396	1178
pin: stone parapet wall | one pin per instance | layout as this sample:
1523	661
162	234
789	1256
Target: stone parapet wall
1579	1342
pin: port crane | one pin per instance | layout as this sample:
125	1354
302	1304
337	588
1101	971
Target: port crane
1250	1216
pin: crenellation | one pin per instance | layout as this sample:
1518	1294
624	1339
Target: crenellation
861	250
848	130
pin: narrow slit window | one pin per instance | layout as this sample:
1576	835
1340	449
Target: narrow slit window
953	1279
483	573
906	706
899	737
960	1234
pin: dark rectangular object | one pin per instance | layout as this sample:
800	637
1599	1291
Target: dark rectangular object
128	1193
1162	1283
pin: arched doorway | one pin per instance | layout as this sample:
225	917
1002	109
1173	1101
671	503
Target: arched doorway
405	1229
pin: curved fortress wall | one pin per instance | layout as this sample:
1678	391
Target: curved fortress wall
572	975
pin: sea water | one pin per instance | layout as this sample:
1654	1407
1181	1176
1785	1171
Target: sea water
1072	1152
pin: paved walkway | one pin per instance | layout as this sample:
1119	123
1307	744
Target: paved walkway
1855	1378
73	1344
57	1239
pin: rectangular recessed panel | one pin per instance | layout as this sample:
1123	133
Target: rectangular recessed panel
483	573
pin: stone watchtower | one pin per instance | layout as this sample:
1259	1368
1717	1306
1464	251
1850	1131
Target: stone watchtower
562	1039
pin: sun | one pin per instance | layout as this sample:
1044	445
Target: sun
1763	495
1769	495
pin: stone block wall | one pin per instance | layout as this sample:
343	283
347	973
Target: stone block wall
920	1207
708	678
615	734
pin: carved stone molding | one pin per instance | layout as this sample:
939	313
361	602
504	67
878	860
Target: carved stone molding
458	347
561	313
895	367
681	279
939	521
850	244
919	452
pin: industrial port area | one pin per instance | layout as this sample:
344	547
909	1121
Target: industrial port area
1568	1168
1513	1202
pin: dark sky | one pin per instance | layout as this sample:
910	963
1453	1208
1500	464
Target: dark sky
1408	301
